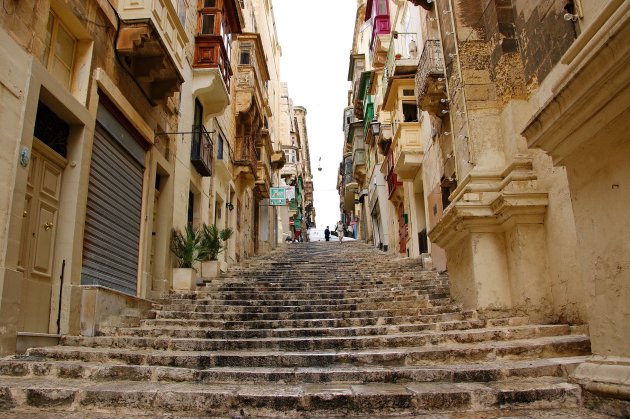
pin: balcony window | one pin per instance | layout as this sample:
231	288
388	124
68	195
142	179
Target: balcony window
245	58
58	56
220	147
382	8
410	112
182	8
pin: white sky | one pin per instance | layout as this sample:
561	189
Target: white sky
316	39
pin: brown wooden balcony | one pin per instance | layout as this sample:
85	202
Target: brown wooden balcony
212	70
201	150
394	185
430	78
210	52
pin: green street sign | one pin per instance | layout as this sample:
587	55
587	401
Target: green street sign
277	197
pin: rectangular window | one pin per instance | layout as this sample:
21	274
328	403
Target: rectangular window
245	58
207	24
59	51
220	148
210	3
182	8
410	112
382	7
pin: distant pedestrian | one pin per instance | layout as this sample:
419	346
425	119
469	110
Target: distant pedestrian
340	231
327	234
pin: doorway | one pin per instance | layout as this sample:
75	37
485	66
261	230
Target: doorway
39	229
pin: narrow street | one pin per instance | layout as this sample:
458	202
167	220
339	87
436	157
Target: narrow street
310	329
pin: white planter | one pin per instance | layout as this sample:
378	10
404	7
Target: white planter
184	279
210	269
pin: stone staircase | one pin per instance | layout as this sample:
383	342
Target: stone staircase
312	329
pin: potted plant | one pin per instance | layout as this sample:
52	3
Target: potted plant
188	250
213	242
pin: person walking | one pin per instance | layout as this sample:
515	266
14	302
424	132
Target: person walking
327	234
340	231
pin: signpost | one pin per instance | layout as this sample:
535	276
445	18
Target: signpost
277	197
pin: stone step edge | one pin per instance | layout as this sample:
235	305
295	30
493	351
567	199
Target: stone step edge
479	372
502	350
537	330
222	399
437	326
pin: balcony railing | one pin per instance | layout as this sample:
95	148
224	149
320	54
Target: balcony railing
201	150
402	57
245	153
430	82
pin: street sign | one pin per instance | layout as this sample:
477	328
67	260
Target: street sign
277	197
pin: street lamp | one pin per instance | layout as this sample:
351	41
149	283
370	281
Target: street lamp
376	127
319	168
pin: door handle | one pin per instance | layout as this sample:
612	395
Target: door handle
48	226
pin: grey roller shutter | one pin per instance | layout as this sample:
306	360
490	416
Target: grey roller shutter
112	227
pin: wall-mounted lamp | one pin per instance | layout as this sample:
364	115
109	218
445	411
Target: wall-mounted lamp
319	168
376	127
229	206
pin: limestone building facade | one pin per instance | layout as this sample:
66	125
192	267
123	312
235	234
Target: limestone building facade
495	132
121	121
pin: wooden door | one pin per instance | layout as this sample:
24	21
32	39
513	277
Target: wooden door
402	230
37	244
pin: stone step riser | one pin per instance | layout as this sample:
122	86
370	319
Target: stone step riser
230	400
285	303
305	315
407	357
306	323
235	309
311	344
484	373
292	333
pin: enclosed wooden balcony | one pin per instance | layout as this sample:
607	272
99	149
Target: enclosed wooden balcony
278	160
150	45
245	160
378	11
407	149
394	185
430	79
263	179
358	164
252	74
217	21
201	150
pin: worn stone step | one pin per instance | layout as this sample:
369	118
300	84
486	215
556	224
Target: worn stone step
224	399
202	332
479	372
319	343
418	302
289	315
311	323
523	349
291	302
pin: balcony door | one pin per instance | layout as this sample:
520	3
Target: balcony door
402	230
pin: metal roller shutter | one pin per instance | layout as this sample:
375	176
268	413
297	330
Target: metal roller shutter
112	227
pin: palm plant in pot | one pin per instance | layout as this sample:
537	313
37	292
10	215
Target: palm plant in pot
213	242
187	248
